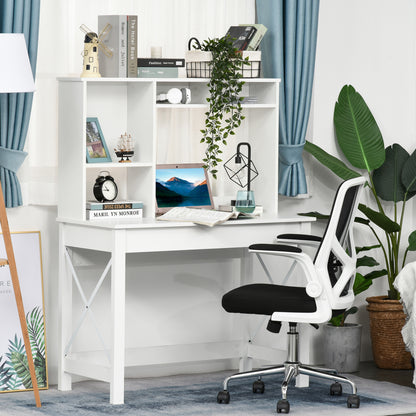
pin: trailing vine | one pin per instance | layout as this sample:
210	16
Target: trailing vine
225	110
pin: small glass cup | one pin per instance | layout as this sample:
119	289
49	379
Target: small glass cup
245	202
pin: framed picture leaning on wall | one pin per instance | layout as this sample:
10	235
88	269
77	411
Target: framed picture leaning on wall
14	371
97	151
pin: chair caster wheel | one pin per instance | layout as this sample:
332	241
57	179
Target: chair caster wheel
353	401
335	389
223	397
283	406
258	387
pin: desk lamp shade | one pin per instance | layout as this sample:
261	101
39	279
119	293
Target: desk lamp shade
15	70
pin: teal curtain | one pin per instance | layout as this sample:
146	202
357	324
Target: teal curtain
288	52
16	16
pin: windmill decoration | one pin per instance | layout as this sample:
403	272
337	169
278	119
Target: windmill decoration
92	42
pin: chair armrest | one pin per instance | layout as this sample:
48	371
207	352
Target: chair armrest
314	287
274	247
300	239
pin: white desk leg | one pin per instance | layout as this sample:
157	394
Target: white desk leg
246	275
118	319
302	380
65	312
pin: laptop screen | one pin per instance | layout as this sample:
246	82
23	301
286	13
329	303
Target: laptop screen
182	185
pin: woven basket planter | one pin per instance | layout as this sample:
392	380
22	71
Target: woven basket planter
386	322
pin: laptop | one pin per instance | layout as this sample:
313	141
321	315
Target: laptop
182	185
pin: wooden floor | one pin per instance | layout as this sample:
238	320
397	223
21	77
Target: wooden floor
371	371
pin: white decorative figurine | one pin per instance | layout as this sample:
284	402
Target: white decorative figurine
90	54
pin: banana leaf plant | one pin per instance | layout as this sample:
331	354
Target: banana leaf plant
391	179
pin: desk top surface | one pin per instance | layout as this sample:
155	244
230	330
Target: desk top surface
153	223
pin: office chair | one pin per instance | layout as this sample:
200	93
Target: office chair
329	291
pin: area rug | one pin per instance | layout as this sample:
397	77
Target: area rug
195	395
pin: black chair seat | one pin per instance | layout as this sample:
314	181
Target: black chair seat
264	299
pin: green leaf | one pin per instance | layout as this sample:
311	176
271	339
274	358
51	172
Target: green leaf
339	320
331	162
36	332
361	220
366	248
384	222
412	241
375	274
336	320
314	214
408	176
367	262
21	366
361	284
351	311
40	370
5	375
357	132
387	178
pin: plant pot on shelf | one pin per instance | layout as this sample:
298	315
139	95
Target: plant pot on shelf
342	346
386	322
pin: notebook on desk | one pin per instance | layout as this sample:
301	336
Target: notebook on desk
182	185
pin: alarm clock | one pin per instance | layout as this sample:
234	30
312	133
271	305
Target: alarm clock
105	188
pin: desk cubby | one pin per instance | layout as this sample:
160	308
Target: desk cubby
129	105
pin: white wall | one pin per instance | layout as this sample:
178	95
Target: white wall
369	44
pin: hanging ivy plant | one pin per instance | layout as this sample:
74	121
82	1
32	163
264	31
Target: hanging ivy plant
225	110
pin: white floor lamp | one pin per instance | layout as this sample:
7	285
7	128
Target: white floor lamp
16	76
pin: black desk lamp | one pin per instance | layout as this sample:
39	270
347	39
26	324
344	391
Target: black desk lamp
240	167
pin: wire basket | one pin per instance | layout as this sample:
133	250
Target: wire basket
198	64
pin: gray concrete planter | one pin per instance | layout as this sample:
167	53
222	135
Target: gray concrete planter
342	345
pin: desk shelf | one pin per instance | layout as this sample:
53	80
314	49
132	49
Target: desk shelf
115	165
129	105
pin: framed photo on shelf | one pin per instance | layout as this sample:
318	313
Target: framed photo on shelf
96	147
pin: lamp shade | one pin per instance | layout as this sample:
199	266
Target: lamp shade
15	70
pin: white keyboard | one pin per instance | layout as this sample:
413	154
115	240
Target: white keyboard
199	216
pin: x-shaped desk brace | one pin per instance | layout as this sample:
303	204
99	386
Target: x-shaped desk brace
87	303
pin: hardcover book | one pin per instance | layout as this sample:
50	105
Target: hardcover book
165	62
257	38
113	205
116	41
114	214
157	72
241	36
132	35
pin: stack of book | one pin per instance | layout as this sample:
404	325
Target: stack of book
114	210
247	37
159	67
122	41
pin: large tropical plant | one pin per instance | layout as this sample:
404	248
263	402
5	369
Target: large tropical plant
391	174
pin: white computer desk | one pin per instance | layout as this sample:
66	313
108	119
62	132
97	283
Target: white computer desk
148	236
